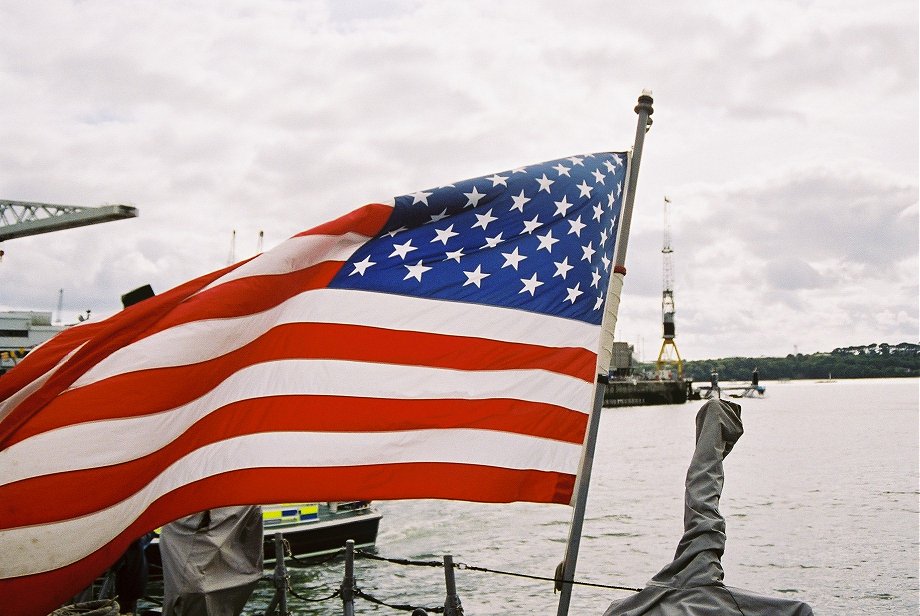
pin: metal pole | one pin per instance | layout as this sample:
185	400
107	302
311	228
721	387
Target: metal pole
644	110
452	602
280	577
347	589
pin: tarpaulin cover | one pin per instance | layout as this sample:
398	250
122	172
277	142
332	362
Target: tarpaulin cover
692	584
211	561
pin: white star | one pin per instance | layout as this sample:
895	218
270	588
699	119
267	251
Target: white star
512	258
455	255
573	293
562	268
547	241
562	206
610	167
499	179
519	202
598	212
483	220
420	197
613	223
437	217
584	189
519	170
531	225
595	278
361	266
577	226
530	284
416	271
402	249
475	277
442	235
606	262
610	199
598	176
473	197
544	183
587	252
576	160
599	302
619	188
618	159
562	169
603	236
395	231
492	242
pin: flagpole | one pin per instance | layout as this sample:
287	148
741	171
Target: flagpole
644	110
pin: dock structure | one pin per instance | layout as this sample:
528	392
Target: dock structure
643	393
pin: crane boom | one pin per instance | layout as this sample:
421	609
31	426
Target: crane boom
23	218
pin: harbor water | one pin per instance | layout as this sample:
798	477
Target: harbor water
820	500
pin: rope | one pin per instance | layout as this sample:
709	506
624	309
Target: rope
308	600
397	606
464	566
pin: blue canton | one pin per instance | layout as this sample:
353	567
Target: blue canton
538	238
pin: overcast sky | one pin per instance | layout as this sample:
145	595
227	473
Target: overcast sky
785	134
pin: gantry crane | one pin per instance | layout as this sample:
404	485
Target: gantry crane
668	355
22	218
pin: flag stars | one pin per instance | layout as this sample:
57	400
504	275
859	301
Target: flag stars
361	266
610	166
547	241
562	170
530	284
394	232
588	252
484	220
492	242
562	268
519	202
454	254
531	225
598	302
595	278
402	249
598	212
598	176
443	235
497	180
573	293
563	206
416	271
438	217
512	259
545	183
606	262
577	160
584	190
475	277
604	236
473	197
420	197
577	226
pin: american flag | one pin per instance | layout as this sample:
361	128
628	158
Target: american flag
442	345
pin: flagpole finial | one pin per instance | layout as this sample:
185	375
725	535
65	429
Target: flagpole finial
645	104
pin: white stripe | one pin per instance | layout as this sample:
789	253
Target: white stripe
203	340
50	546
78	447
295	254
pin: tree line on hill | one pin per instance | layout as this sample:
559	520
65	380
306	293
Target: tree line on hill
867	361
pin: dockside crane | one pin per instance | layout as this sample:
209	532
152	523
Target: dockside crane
668	356
22	218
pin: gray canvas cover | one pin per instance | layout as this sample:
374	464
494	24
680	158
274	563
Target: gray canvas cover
212	560
692	584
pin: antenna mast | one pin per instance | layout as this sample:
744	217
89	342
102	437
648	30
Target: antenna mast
668	355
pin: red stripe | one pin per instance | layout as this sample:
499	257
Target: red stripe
39	594
367	220
150	391
280	414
